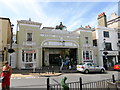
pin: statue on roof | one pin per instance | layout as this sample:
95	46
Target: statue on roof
61	26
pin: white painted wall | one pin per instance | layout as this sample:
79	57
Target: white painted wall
100	41
13	59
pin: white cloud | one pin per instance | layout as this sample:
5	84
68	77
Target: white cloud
108	10
79	18
24	9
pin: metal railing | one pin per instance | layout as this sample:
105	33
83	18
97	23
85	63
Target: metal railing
102	84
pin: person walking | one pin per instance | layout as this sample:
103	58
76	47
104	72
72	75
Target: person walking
6	73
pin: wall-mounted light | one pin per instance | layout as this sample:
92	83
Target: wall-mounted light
63	43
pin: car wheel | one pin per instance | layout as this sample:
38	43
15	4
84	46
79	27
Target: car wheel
102	71
86	71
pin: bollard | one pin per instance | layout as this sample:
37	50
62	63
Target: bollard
113	78
48	84
39	70
52	69
80	83
48	70
33	68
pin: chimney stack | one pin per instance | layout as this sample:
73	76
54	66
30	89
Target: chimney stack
102	21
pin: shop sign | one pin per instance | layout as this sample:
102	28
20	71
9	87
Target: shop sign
30	51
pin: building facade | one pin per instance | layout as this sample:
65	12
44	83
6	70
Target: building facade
114	22
105	40
38	47
5	38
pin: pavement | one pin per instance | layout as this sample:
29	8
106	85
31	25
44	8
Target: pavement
45	71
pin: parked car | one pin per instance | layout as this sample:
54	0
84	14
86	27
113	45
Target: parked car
117	66
90	67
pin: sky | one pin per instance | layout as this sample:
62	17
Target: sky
72	13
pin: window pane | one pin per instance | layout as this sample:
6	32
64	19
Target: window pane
106	34
30	57
87	55
26	57
86	40
29	36
94	42
23	55
90	55
108	46
119	35
34	55
84	55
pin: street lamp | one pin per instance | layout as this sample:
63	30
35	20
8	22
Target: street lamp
11	41
105	54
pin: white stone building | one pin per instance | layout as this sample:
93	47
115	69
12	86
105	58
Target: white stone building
105	39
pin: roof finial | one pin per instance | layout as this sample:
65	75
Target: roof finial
29	19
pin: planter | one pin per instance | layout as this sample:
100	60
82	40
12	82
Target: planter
115	85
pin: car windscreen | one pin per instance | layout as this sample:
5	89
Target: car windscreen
81	63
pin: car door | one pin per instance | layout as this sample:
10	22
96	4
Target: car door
97	68
91	67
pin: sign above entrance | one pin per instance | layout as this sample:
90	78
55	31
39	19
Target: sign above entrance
30	51
48	43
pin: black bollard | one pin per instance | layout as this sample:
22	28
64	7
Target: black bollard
39	70
52	69
113	78
48	70
80	83
48	84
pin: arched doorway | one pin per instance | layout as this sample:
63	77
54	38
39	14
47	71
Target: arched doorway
52	50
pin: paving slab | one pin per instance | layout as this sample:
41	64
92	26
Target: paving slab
36	74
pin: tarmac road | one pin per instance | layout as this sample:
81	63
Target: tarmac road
40	82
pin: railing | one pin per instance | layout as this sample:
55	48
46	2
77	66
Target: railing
76	85
97	84
102	84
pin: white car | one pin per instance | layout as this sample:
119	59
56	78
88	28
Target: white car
90	67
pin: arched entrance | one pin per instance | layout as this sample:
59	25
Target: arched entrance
53	50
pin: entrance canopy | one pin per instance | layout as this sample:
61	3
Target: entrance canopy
60	43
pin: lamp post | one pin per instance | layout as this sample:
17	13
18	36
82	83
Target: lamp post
105	54
2	56
11	41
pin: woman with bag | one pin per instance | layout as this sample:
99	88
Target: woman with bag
6	73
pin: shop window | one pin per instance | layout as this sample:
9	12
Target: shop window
106	34
29	36
87	55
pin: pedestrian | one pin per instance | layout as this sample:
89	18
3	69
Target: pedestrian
67	62
6	73
71	62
